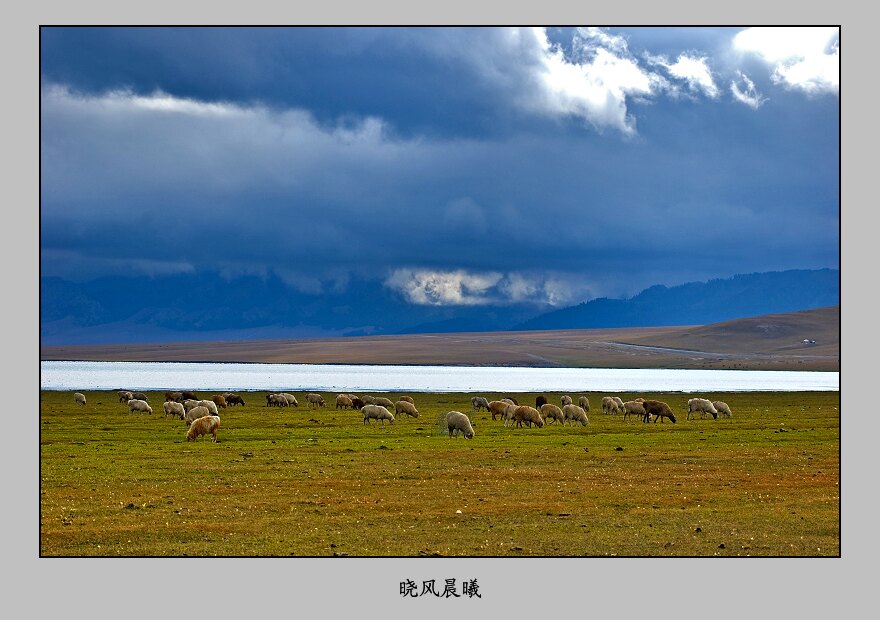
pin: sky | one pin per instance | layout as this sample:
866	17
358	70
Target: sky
452	166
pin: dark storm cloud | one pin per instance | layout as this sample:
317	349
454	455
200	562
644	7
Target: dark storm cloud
316	155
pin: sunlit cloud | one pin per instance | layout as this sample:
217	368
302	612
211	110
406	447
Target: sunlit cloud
744	91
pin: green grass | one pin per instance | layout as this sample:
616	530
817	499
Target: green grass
307	482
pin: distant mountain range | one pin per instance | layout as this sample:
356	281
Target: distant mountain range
210	307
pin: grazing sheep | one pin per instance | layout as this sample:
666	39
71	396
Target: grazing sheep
195	413
619	402
377	412
404	406
457	421
174	408
658	409
478	402
584	403
383	402
343	402
219	400
234	399
512	400
139	405
498	407
722	408
357	403
368	400
529	415
80	398
140	396
573	413
185	395
612	405
290	398
210	404
125	396
315	400
276	400
703	406
540	400
173	397
633	407
549	411
508	415
203	426
565	400
189	404
407	399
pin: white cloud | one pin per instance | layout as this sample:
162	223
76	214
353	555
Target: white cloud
694	70
803	58
747	94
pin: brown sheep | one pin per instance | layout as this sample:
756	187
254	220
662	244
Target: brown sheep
658	409
357	403
549	411
218	400
383	402
529	415
539	401
404	406
186	395
498	407
407	399
234	399
173	397
343	402
203	426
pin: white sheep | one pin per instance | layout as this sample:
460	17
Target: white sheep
509	413
383	402
189	404
702	406
377	412
457	421
633	407
290	398
549	411
136	404
565	400
403	406
368	400
584	403
408	399
315	400
175	409
574	413
722	408
478	402
195	413
210	405
80	398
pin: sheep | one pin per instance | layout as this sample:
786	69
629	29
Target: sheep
703	406
218	400
125	396
174	408
383	402
377	412
403	406
407	399
508	415
584	403
478	402
549	411
173	397
276	400
574	413
140	396
210	404
186	395
189	404
343	402
136	404
619	402
195	413
357	403
540	400
658	409
498	407
565	400
529	415
633	407
80	398
457	421
290	398
315	400
203	426
234	399
368	400
722	408
509	401
612	405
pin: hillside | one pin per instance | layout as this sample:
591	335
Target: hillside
770	342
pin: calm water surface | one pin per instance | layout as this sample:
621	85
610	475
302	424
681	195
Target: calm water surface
351	378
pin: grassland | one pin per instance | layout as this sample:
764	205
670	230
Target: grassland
305	482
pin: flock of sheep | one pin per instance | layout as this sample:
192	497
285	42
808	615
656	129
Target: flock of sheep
203	418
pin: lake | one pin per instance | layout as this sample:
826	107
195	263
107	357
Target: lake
73	375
